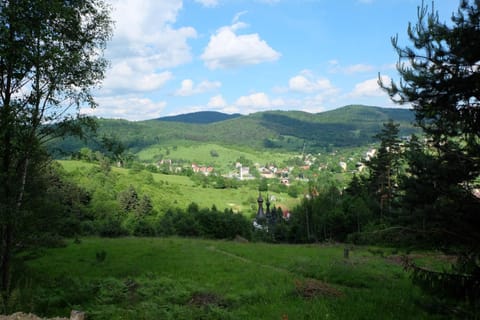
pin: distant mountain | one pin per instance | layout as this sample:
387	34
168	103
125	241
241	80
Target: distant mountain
361	113
349	126
202	117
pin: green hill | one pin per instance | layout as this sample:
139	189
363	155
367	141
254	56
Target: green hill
165	191
202	117
350	126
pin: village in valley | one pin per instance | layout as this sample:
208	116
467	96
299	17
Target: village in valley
298	168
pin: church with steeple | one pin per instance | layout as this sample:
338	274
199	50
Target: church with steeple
264	218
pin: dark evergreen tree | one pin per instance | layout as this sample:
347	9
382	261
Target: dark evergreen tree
128	199
357	203
144	206
384	167
440	78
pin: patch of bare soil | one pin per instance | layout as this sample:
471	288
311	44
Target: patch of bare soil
203	299
26	316
310	288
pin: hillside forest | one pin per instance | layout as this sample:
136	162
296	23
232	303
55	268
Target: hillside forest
406	178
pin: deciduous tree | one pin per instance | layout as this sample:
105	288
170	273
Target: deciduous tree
50	59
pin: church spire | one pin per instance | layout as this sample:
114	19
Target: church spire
268	205
260	213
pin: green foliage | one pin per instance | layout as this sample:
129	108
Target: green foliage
206	223
385	167
440	79
128	199
51	52
100	256
214	153
110	227
164	191
263	187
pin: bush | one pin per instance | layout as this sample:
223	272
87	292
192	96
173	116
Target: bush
111	228
143	228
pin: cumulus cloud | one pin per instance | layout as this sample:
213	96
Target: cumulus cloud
217	102
256	102
227	49
127	78
369	88
306	82
188	87
127	107
145	43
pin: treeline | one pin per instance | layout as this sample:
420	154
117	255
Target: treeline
192	222
64	209
405	197
413	195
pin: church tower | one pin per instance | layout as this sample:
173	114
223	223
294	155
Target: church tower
268	206
260	214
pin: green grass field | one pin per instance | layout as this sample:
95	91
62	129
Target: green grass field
169	191
201	155
173	278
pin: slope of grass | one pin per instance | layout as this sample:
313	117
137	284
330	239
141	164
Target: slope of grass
166	191
171	278
201	154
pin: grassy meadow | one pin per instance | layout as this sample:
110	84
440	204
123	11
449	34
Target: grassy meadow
174	278
168	191
201	154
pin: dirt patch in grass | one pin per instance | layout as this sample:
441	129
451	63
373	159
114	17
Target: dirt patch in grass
203	299
310	288
26	316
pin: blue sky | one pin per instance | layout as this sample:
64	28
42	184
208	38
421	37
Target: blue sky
243	56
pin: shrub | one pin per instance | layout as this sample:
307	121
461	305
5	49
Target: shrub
111	227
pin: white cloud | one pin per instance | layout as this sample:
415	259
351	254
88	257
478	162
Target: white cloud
369	88
306	82
125	78
217	102
127	107
256	102
188	87
145	43
208	3
227	49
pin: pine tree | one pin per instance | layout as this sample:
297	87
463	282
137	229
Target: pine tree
384	167
440	79
128	199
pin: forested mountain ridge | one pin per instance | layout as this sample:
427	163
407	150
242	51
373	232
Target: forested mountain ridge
202	117
349	126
